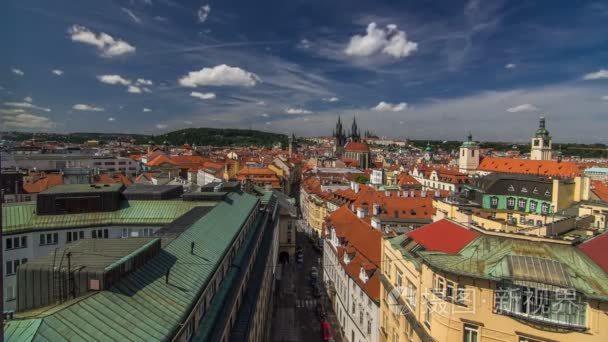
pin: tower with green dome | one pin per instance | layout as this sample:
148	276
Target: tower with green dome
541	143
468	159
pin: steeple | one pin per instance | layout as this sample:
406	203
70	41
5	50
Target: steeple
354	131
541	142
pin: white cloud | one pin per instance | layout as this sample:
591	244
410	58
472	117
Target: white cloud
146	90
510	66
146	110
600	74
57	72
390	107
305	43
28	99
161	126
160	18
268	123
261	103
264	115
20	119
134	89
202	96
27	105
526	107
605	97
203	13
18	72
220	75
106	44
297	111
114	79
390	41
87	108
131	14
331	99
144	81
111	119
188	122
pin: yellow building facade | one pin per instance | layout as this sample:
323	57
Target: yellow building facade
433	296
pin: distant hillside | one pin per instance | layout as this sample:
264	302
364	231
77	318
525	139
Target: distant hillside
220	137
198	136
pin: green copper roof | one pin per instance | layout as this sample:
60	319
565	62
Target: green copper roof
487	257
141	307
21	217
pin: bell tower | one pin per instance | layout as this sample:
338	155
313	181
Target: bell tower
541	143
468	160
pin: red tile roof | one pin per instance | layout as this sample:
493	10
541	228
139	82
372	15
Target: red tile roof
405	179
443	236
356	147
43	183
534	167
600	189
597	250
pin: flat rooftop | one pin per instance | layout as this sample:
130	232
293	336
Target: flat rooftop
97	254
82	188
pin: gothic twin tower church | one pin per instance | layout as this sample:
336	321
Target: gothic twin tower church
340	136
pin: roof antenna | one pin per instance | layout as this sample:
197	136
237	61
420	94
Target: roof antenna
192	247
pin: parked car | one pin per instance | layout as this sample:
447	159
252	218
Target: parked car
326	331
321	310
314	273
316	291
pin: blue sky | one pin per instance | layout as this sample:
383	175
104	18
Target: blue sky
417	69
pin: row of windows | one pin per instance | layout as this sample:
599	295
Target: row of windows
10	267
521	204
16	242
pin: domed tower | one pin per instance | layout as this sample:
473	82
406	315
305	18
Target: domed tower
428	153
468	160
541	143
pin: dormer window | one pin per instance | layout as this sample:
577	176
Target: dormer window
524	190
511	188
363	276
535	191
547	193
346	259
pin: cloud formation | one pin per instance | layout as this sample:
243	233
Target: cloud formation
146	110
131	15
20	119
597	75
113	79
26	104
161	126
526	107
390	107
203	13
107	45
111	119
57	72
202	96
87	108
297	111
510	66
132	87
17	72
331	99
220	75
389	41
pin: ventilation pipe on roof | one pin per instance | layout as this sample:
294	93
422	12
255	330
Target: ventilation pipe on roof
406	194
356	189
352	185
387	193
412	193
376	223
376	209
423	194
361	212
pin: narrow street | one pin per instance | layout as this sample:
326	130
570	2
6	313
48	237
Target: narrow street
296	317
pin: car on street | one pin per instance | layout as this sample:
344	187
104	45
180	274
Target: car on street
316	291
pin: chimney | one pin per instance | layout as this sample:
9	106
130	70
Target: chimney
352	185
437	193
387	193
361	212
398	193
412	193
423	194
356	189
376	223
376	209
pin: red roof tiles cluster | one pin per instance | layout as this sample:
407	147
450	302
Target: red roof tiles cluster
356	147
600	189
597	250
362	243
535	167
443	236
45	181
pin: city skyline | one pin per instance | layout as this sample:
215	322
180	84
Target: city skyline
416	71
